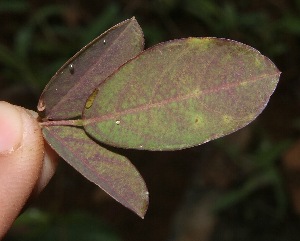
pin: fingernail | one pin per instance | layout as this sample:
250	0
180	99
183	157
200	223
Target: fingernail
11	129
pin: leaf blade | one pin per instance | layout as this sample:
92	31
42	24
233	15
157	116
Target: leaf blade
65	95
189	91
112	172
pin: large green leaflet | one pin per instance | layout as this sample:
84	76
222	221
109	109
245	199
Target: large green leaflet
180	94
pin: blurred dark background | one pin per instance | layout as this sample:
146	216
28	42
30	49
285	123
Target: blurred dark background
245	186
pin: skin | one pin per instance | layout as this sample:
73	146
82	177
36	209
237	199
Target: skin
26	162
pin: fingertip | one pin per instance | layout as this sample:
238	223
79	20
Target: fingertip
49	167
11	128
20	162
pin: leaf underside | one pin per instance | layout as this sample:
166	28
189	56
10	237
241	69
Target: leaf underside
113	173
65	95
180	94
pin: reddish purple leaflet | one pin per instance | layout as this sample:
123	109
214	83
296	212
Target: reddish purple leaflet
65	95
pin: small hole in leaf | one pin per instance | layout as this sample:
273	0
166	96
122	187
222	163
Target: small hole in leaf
104	41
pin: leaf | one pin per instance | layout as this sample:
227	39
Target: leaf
180	94
113	173
65	95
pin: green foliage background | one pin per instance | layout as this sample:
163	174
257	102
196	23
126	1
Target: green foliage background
37	37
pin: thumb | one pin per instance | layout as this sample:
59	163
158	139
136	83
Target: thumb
21	160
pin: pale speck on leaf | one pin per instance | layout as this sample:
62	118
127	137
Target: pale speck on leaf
71	68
